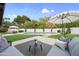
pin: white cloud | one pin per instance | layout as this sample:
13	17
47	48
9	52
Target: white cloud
52	10
9	15
13	15
45	10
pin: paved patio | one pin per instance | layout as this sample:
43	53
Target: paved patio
23	45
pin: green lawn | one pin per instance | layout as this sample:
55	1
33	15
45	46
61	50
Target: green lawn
67	36
7	33
18	37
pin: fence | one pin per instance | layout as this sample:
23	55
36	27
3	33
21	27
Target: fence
74	30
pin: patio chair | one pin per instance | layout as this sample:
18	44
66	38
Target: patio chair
6	48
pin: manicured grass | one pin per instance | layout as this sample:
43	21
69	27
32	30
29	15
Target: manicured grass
67	36
18	37
7	33
71	35
55	36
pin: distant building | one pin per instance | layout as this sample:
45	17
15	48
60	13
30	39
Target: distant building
13	29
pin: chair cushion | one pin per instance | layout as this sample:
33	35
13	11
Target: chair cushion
2	54
12	51
3	44
74	46
61	44
56	51
62	38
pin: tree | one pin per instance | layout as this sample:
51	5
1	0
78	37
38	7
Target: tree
46	24
31	24
6	19
68	30
25	18
21	20
6	22
14	24
18	20
44	19
43	22
41	25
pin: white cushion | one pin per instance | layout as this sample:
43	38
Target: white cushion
12	51
74	46
3	44
56	51
62	38
2	54
61	44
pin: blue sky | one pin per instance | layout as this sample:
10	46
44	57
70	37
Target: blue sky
37	10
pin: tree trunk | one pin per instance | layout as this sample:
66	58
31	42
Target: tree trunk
51	29
43	30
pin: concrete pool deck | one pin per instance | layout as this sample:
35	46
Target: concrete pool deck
39	38
23	45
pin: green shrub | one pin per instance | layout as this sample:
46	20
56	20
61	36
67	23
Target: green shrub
68	30
3	30
58	31
14	31
21	31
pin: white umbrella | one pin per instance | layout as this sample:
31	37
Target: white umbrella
65	17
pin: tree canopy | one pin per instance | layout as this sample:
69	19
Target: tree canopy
26	22
21	20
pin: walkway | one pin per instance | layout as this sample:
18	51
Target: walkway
11	34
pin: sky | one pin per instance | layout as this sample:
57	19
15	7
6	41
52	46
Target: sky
37	10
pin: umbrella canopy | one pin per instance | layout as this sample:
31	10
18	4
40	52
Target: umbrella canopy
65	17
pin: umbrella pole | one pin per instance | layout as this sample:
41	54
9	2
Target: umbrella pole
63	29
